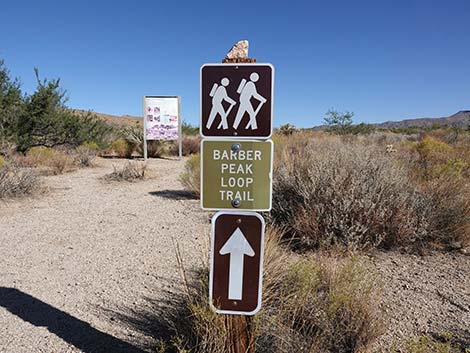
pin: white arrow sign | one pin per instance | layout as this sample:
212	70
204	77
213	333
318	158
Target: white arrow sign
237	246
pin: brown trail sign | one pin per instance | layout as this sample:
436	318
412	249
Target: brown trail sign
237	100
237	246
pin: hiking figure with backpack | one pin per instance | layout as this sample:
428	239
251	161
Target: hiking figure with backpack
219	95
247	90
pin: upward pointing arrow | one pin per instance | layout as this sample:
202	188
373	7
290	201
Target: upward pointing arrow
237	246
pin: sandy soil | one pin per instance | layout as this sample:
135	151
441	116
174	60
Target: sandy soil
70	258
76	261
425	295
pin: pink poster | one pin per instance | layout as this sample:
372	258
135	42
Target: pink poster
161	119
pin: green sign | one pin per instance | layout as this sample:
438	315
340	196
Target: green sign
236	175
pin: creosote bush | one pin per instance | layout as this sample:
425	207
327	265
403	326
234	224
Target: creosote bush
130	171
191	176
17	182
331	193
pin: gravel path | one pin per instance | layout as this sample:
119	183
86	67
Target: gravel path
76	261
425	295
86	249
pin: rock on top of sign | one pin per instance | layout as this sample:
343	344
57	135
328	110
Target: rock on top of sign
238	51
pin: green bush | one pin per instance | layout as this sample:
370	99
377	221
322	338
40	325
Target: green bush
189	130
11	104
42	119
123	148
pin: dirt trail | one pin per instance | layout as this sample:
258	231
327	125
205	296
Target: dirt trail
76	259
87	248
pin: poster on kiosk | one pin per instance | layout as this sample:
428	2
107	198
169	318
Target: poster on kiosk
162	119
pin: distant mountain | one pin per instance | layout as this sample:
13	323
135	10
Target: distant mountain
460	119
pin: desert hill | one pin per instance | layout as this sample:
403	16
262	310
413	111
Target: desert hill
123	120
460	119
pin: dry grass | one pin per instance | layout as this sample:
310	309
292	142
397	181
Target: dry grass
191	145
85	155
443	343
191	176
47	160
17	182
316	305
130	171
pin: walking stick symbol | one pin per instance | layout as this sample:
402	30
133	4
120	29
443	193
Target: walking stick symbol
247	92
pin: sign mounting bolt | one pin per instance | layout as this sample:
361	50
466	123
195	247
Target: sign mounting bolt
236	147
236	203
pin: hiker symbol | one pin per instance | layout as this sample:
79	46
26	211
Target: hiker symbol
247	91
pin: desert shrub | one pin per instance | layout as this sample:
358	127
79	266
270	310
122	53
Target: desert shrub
11	104
7	147
316	306
338	122
191	176
48	122
189	130
362	129
448	212
323	306
16	181
333	193
130	171
85	154
190	145
134	136
48	159
431	152
42	119
287	129
157	148
443	343
123	148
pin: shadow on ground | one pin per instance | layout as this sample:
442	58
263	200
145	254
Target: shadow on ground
162	318
72	330
174	194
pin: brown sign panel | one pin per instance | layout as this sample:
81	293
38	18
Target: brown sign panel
237	100
236	262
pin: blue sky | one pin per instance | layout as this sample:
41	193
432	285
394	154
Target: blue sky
383	60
